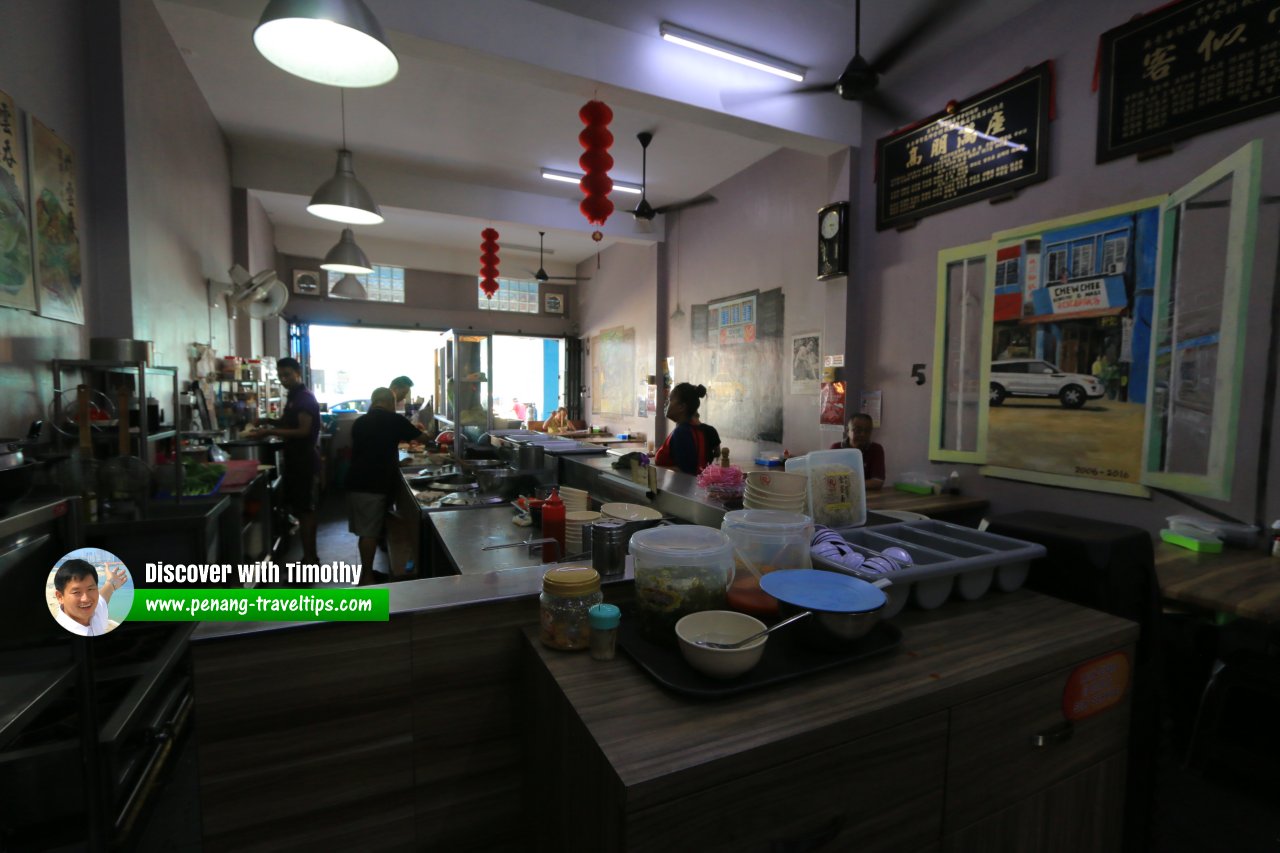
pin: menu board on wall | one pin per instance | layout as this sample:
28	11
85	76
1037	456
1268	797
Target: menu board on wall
1184	69
987	145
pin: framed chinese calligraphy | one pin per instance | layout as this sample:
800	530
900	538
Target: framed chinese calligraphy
57	239
17	283
1184	69
987	145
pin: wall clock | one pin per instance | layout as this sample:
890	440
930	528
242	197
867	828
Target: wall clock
833	240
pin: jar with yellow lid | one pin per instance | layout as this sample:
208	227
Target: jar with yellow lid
568	594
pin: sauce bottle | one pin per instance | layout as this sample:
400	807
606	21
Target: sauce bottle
553	526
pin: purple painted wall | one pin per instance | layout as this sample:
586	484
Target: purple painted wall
895	280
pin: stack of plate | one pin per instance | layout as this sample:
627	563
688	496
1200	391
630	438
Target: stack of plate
776	490
573	524
575	500
630	512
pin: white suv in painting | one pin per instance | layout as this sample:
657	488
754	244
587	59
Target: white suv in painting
1030	377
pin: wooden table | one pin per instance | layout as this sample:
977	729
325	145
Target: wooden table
934	506
1242	583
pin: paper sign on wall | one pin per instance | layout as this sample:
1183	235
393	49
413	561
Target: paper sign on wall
871	406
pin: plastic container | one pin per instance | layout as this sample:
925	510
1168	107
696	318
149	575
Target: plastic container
944	558
1230	532
763	541
568	594
553	514
604	619
679	569
837	487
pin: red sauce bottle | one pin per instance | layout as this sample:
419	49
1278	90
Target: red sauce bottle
553	526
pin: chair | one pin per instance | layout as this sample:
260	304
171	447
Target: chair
1235	725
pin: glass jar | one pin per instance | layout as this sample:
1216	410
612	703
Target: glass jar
604	630
568	595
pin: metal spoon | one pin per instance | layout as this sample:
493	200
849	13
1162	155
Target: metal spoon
713	645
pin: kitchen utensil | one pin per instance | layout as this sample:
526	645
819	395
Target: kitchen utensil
726	626
530	456
739	643
609	538
64	411
88	466
630	512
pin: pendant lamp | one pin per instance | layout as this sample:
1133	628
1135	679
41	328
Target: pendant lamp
349	287
343	198
347	257
334	42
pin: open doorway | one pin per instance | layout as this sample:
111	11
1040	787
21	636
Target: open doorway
348	362
528	379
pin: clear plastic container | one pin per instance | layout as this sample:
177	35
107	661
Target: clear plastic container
764	540
679	569
837	487
1230	532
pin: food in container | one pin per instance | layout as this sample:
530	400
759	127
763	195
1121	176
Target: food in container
837	487
568	594
679	569
764	540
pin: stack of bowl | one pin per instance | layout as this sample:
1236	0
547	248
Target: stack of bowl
573	524
776	490
575	500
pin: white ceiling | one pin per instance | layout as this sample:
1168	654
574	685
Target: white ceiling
488	93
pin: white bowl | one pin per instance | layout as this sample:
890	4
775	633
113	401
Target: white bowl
721	626
630	512
778	482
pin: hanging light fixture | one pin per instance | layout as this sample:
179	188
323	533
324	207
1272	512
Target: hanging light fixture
347	257
343	198
334	42
349	287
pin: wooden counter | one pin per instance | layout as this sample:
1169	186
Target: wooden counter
1244	583
928	744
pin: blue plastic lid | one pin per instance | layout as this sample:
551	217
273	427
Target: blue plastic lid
812	589
604	616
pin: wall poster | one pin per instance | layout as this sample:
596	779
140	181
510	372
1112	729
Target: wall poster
17	279
613	359
57	237
806	362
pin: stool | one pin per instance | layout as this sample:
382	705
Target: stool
1235	726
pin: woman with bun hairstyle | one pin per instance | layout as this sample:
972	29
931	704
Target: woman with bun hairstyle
692	445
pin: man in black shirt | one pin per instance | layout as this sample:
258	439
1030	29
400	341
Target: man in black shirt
300	429
374	472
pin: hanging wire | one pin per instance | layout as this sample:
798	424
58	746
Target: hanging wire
342	96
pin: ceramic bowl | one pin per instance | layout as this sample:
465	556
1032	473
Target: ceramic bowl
721	626
778	483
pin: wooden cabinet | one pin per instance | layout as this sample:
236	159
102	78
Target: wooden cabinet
930	748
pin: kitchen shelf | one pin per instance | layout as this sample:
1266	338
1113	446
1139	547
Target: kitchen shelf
26	694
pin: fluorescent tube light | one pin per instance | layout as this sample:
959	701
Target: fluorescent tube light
732	52
574	178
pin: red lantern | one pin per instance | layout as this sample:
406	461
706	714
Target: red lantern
489	262
596	162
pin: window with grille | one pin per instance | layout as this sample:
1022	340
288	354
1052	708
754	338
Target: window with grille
1007	272
384	284
520	297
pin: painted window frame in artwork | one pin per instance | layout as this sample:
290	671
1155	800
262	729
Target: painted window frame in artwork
943	340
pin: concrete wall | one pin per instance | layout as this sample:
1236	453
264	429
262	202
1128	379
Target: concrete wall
43	67
895	279
178	167
433	300
761	234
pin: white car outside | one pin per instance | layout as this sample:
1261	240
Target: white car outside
1030	377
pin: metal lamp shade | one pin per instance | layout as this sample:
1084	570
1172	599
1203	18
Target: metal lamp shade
346	256
334	42
349	287
343	198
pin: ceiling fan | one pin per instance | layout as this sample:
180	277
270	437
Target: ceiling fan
646	212
860	79
541	274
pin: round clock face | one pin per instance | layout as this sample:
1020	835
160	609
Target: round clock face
830	224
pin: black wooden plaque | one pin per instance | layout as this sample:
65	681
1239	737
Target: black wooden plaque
989	145
1191	67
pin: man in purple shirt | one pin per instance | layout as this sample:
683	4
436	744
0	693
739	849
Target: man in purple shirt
300	429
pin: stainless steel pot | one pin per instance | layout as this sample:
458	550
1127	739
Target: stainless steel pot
498	482
530	456
121	349
260	450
